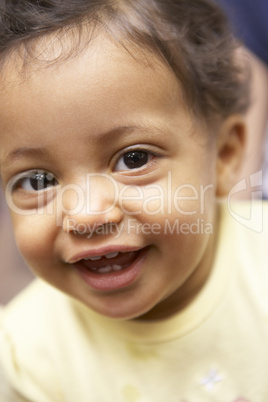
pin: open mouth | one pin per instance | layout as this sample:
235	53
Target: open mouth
111	262
112	271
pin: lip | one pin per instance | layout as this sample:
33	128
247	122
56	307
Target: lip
115	280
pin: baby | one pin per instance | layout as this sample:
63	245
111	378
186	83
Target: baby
121	126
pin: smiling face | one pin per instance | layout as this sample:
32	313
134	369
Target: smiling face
111	183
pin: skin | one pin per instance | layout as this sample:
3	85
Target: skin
81	117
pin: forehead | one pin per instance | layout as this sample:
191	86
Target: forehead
101	67
102	87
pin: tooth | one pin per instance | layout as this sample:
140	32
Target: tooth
94	258
116	267
111	255
105	270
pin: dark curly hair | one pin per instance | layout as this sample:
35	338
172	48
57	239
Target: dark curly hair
192	37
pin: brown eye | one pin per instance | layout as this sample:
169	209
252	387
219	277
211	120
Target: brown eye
137	159
36	181
133	160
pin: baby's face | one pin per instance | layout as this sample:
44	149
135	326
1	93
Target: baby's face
111	185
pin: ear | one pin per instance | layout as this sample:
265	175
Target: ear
231	146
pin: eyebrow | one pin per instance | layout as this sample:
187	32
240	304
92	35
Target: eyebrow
126	130
23	152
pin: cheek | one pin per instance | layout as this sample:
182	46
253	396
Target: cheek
167	204
179	221
35	237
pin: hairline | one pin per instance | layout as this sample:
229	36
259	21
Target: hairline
139	50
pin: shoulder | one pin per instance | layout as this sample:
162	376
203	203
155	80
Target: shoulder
27	327
247	218
46	338
30	310
244	241
245	227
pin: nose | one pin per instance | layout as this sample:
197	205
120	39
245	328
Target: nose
86	208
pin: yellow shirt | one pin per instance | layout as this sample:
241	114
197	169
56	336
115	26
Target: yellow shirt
54	349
